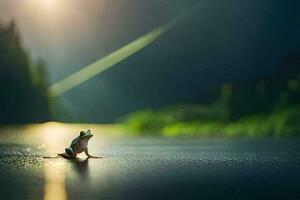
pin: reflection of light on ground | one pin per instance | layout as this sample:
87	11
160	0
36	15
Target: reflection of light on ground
55	181
62	178
52	136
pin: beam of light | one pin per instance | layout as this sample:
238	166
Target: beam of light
108	61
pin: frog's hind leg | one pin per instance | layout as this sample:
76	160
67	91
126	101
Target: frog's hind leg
64	155
51	157
59	155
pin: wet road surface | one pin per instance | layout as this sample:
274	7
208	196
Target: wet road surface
145	168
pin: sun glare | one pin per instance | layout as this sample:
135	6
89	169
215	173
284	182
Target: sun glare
50	4
45	5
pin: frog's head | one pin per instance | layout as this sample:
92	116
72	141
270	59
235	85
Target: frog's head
85	135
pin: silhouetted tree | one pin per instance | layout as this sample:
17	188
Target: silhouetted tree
23	97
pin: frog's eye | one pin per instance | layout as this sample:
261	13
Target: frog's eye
81	133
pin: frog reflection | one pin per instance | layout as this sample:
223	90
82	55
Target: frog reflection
79	145
81	167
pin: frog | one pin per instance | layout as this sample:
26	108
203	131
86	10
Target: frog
79	145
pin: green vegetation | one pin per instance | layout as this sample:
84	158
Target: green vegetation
266	107
280	123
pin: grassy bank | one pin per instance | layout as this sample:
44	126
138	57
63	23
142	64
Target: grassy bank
283	122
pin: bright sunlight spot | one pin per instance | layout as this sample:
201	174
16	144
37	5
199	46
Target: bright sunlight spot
50	4
46	5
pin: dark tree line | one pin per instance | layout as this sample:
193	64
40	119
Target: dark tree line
277	90
23	96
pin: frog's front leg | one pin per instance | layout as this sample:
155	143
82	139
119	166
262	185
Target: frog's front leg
86	151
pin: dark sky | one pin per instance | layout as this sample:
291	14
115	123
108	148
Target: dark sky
219	41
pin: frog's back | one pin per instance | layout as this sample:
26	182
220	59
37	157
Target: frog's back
74	141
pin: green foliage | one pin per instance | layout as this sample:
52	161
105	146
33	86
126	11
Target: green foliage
147	122
206	129
250	112
280	123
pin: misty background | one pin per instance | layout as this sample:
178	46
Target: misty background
220	52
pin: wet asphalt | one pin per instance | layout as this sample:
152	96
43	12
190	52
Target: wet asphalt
149	168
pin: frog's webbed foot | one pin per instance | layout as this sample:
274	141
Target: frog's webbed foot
90	156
